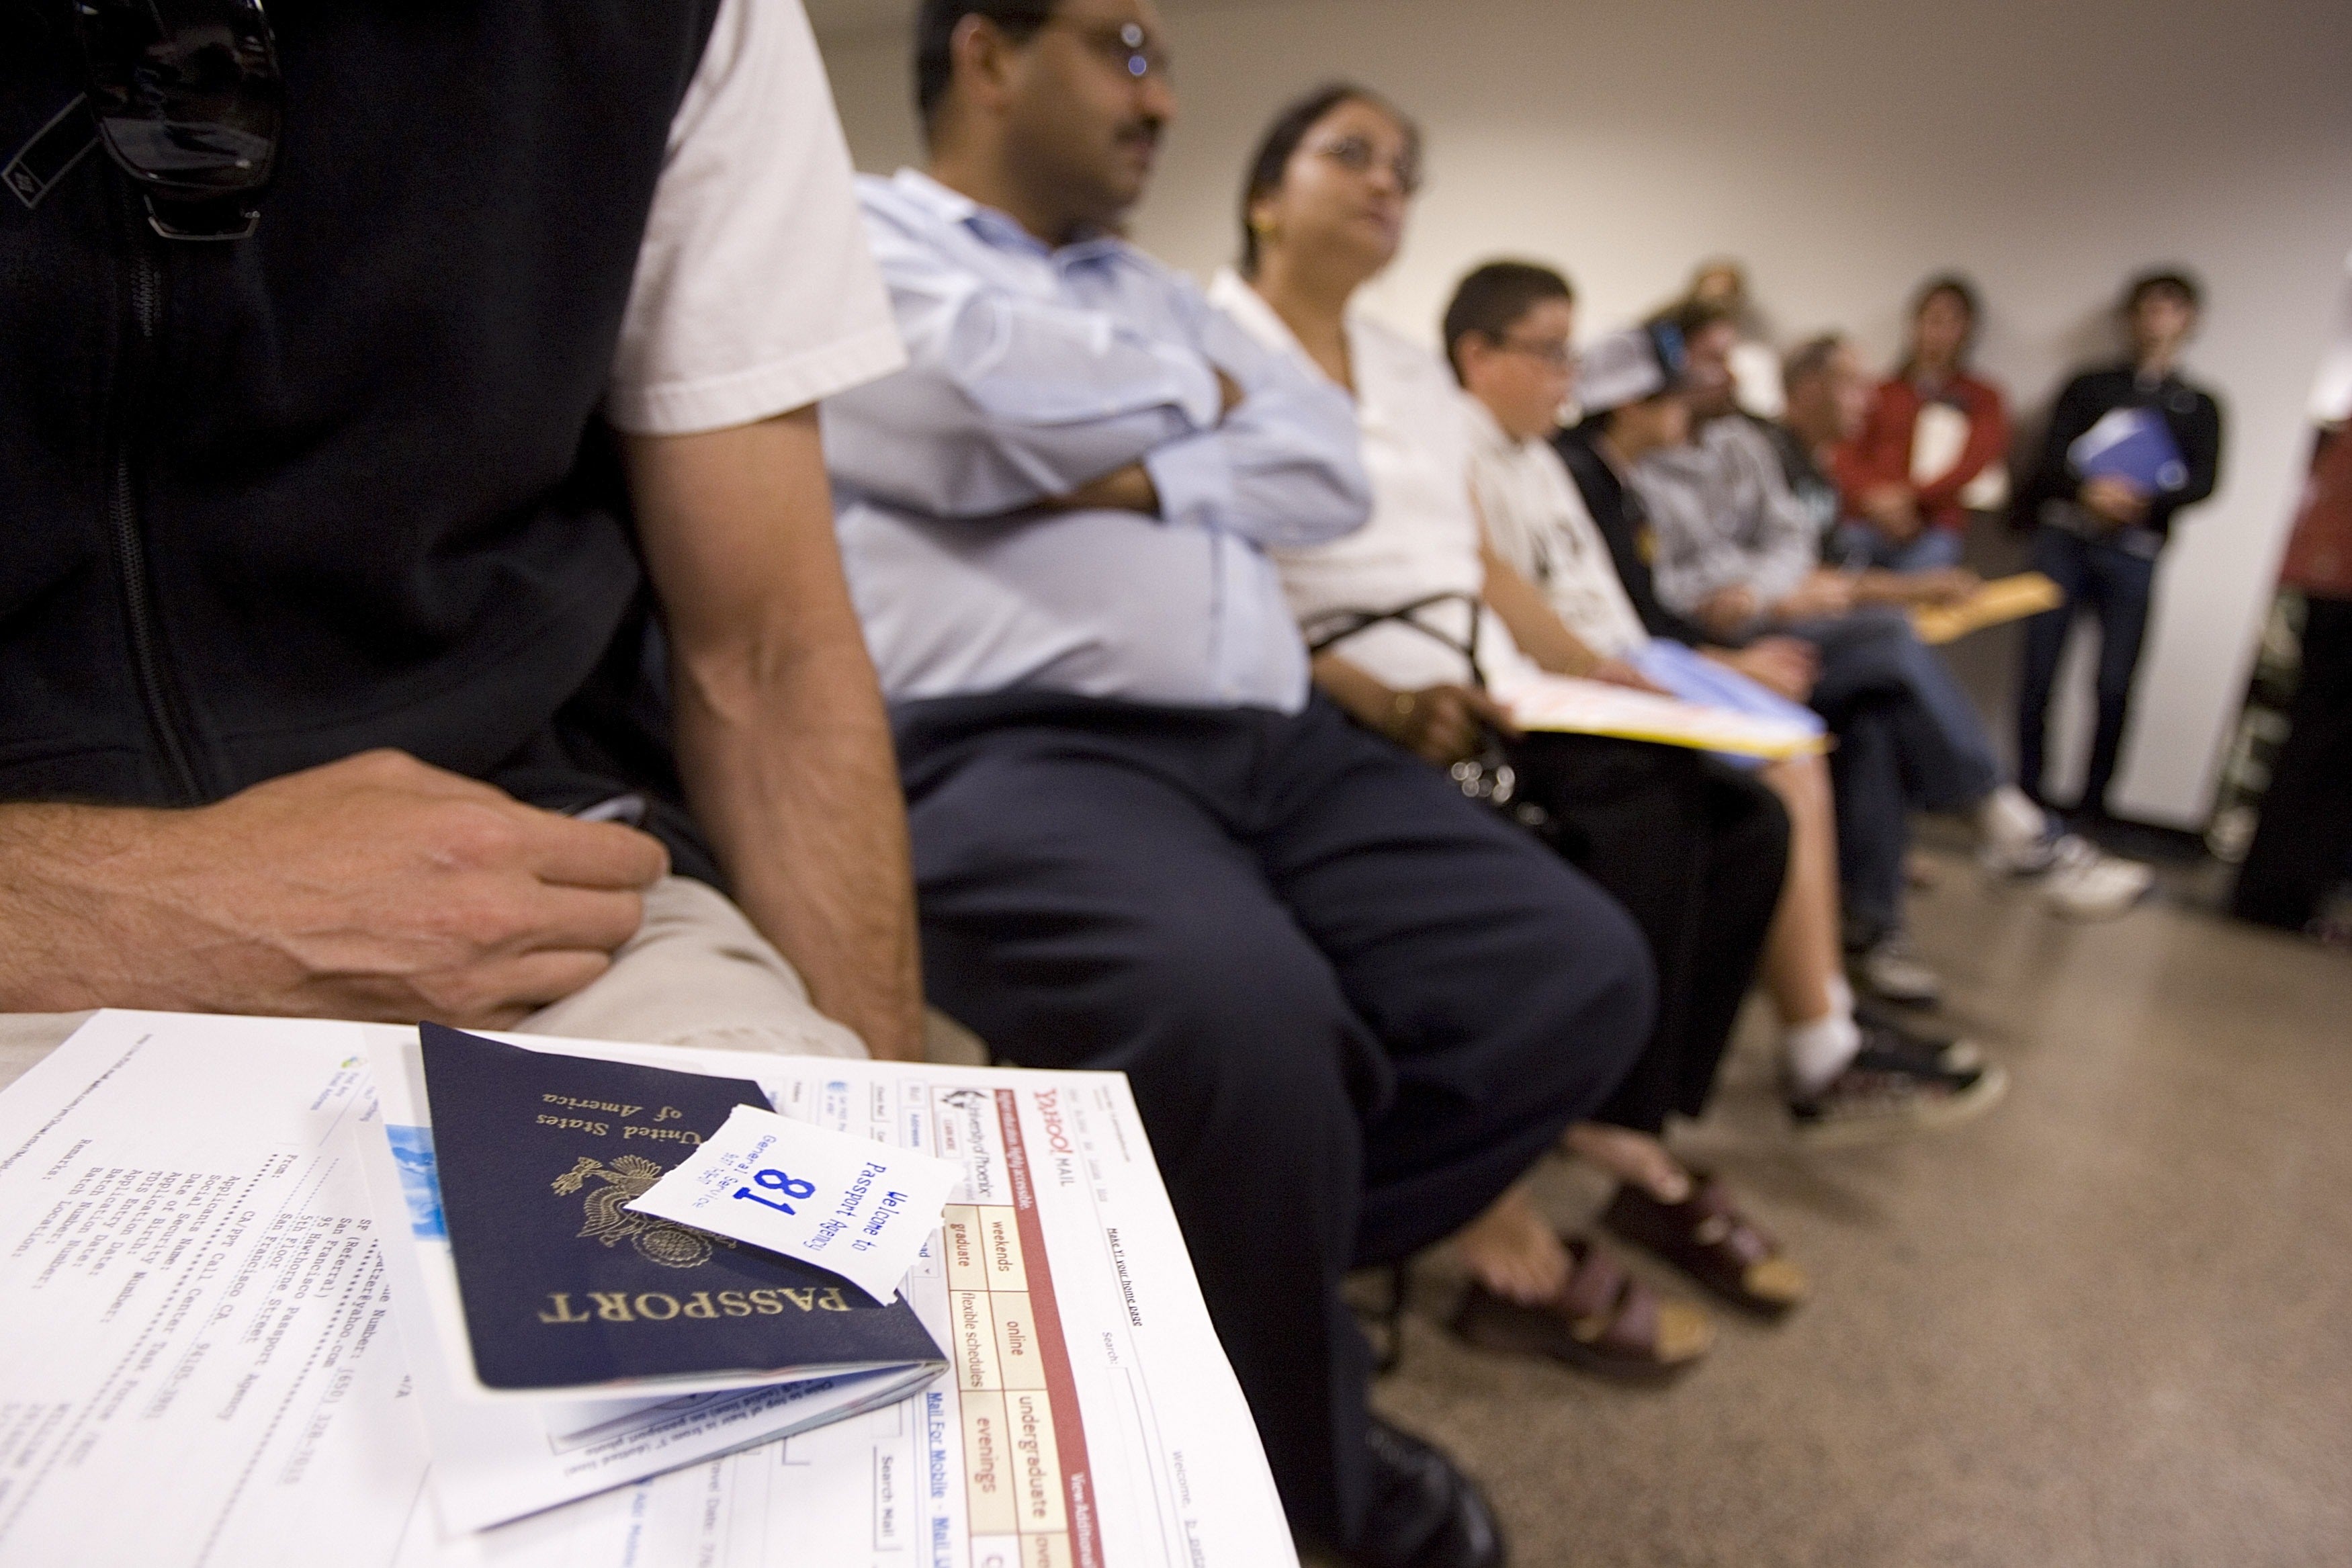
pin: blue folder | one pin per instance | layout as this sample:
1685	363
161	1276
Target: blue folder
2134	445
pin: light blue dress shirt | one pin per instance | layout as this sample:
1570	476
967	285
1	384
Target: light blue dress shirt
1030	372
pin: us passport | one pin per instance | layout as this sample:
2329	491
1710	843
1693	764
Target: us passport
563	1286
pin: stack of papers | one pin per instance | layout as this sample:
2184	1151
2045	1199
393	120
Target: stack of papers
206	1359
1565	704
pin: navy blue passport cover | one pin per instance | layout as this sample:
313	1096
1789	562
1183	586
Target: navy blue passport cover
562	1286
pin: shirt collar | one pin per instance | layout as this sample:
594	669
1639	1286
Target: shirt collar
1231	293
996	228
1488	432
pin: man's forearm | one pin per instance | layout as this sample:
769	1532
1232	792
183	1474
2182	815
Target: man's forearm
1541	634
1360	694
374	887
1879	588
782	740
47	853
790	769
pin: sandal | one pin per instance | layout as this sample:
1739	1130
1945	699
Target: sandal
1602	1320
1708	1238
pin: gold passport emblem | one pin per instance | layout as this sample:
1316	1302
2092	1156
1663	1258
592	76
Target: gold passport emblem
629	1177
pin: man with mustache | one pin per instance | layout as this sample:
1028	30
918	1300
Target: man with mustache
1354	1006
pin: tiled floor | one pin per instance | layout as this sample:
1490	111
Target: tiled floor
2111	1324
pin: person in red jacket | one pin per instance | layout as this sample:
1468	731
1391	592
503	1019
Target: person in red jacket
1931	449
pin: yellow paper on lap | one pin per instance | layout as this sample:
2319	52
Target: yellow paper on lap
1566	705
2002	599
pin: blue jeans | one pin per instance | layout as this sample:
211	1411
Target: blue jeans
1929	550
1907	737
2111	579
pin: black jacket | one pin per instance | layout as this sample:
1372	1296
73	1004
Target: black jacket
1618	512
2192	414
340	484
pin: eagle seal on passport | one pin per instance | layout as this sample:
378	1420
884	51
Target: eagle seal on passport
626	1179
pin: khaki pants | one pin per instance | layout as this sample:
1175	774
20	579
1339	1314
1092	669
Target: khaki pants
695	973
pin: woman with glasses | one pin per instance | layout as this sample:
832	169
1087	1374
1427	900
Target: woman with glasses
1407	644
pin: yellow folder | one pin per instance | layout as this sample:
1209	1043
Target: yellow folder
2002	599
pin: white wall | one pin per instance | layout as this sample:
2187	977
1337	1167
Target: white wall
1843	148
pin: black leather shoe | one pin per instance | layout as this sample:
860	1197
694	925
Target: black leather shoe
1424	1513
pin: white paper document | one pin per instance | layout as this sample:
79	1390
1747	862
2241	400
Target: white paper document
199	1364
199	1321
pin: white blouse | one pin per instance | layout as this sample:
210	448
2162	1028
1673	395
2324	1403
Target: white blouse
1423	538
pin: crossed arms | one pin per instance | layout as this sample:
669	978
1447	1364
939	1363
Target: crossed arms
1012	402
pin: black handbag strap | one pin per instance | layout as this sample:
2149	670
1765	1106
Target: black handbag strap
1334	627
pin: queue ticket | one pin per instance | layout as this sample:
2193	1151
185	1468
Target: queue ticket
850	1205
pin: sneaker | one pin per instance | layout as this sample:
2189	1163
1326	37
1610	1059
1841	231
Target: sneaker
1885	1093
2085	882
2026	857
1892	970
1902	1036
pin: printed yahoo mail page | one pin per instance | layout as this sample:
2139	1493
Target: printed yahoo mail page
1089	1418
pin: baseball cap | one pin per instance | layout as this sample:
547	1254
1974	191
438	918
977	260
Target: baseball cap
1629	365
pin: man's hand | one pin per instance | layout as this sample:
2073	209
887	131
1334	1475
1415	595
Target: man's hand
1122	489
1894	511
1938	585
1726	610
371	888
1443	724
1785	666
2114	501
1617	672
1943	585
1822	594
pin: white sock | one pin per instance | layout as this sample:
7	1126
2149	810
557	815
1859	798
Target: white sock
2010	821
1819	1050
1840	995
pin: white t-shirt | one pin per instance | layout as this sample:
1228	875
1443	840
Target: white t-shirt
1536	520
1421	537
754	293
